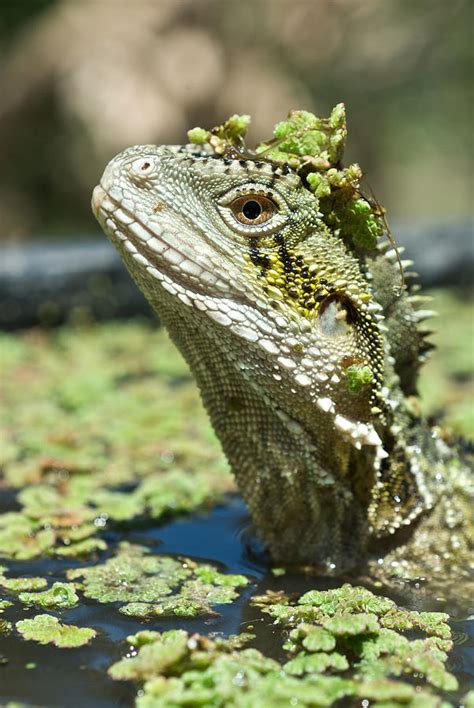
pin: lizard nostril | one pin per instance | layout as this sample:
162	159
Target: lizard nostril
141	169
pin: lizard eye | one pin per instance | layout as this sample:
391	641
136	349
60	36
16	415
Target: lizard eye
250	209
253	209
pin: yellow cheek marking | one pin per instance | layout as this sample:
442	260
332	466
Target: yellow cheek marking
289	279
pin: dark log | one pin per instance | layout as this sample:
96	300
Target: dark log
47	282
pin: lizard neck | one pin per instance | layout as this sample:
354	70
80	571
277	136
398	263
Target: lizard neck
308	491
314	496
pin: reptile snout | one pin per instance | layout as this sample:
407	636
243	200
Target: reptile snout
98	196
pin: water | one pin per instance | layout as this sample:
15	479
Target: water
78	677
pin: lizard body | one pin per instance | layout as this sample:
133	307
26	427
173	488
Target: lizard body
305	354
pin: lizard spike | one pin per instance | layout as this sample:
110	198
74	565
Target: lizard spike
374	307
406	263
417	300
421	315
326	405
411	274
392	255
426	346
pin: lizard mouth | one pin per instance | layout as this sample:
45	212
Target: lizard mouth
155	250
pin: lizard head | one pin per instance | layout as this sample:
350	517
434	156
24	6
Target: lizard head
242	242
198	219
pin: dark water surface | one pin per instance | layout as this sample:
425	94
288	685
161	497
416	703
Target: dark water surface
78	678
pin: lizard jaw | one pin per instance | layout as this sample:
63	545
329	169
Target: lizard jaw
155	249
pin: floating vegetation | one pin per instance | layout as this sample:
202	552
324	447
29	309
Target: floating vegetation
46	629
59	596
23	584
89	442
149	585
351	609
342	650
103	434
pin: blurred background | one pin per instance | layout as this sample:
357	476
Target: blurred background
99	416
82	79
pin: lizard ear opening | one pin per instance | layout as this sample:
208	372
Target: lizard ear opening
337	314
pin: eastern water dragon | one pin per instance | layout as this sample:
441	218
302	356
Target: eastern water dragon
305	333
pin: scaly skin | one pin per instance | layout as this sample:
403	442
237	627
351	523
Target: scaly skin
271	312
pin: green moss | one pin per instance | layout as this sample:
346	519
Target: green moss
314	148
312	638
222	137
235	127
367	631
208	593
178	606
158	654
432	623
209	575
22	538
408	657
358	376
46	629
305	135
468	700
199	136
347	598
176	668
